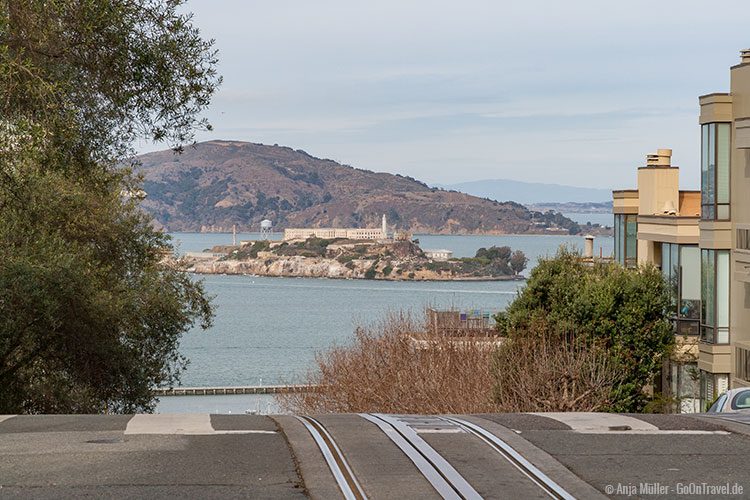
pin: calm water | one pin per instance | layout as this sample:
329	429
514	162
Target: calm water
601	219
267	330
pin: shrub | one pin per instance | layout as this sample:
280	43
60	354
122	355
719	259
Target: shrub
624	311
386	371
371	273
544	371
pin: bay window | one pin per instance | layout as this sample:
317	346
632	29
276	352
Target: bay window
715	296
681	267
626	239
715	149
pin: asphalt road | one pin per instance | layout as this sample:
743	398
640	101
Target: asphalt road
375	456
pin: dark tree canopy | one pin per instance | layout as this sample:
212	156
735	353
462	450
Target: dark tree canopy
518	261
623	310
90	312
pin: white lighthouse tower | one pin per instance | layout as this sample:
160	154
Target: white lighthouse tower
385	228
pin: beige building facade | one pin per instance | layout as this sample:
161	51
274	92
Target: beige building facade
329	233
701	242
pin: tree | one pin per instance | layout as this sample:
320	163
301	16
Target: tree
90	311
518	261
624	311
494	253
539	371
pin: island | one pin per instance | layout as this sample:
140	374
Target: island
343	258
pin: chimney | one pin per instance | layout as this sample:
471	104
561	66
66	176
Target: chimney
588	247
658	185
745	56
662	158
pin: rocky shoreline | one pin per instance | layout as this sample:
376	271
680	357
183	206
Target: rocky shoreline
393	261
302	267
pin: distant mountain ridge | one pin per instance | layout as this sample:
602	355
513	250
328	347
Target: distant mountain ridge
529	193
218	184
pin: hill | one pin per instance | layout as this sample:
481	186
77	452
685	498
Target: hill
217	184
530	193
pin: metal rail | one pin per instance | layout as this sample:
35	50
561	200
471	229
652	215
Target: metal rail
549	486
442	476
342	472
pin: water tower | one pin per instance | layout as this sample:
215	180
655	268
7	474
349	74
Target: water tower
266	228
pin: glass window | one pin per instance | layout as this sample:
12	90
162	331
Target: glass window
715	169
631	240
690	282
626	239
722	297
718	405
681	268
741	401
715	296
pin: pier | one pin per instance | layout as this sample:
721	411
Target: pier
214	391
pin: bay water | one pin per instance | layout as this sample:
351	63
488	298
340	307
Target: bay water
267	330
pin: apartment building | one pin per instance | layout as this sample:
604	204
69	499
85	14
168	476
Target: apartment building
658	224
701	242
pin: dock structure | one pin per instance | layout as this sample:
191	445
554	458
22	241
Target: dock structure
218	391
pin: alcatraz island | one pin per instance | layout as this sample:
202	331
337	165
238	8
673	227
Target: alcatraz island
354	253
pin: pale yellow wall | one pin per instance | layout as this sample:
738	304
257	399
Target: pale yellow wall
715	358
715	234
625	202
740	202
682	230
656	187
715	108
646	253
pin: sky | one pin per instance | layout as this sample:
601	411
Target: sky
574	92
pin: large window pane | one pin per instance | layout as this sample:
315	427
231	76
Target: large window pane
631	240
618	239
722	289
710	189
722	163
690	282
708	283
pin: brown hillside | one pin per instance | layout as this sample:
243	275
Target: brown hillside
221	183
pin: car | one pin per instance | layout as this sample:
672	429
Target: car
732	401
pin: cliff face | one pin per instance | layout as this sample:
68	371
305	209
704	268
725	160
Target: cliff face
221	183
316	258
318	267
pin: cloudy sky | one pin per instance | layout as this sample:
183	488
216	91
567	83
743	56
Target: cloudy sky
573	92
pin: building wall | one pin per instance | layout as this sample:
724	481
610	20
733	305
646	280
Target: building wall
330	233
740	210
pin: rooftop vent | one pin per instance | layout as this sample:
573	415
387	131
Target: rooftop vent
745	56
662	158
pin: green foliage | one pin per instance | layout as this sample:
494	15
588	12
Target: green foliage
494	253
387	270
624	309
492	261
312	247
90	313
346	258
371	272
251	251
518	261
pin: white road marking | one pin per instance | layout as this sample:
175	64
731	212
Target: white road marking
195	424
612	423
589	421
3	418
438	431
